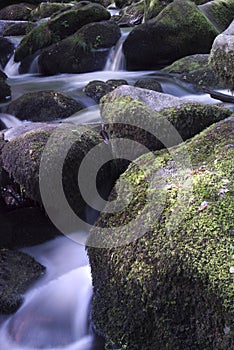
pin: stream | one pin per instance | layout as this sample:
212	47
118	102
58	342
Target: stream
55	312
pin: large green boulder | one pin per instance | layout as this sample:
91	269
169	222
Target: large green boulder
219	12
222	56
179	30
137	114
162	265
195	69
60	27
85	51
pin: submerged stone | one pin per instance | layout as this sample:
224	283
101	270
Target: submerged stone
161	266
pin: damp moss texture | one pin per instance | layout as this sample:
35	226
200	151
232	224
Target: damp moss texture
166	282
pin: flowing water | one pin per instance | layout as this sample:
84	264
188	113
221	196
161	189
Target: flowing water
56	309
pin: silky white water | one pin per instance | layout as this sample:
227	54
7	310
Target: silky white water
55	311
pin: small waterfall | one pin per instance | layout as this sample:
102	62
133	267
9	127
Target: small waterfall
34	68
116	59
10	120
55	312
12	68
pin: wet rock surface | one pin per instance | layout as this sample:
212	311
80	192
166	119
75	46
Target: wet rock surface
17	271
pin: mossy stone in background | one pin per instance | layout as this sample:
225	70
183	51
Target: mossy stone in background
221	58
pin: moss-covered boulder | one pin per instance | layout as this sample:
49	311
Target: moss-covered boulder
5	90
179	30
17	270
85	51
149	83
152	119
219	12
39	154
195	69
6	51
59	27
222	56
132	15
17	12
46	9
166	282
43	106
96	89
154	7
21	28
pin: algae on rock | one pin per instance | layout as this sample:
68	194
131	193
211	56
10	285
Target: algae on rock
168	284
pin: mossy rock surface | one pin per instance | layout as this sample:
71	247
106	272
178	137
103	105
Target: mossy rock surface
37	155
18	271
17	12
154	7
161	274
219	12
195	69
85	51
139	114
43	106
60	27
221	57
176	32
47	9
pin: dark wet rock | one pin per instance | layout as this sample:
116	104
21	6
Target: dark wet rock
163	278
195	69
17	12
15	29
176	32
222	57
5	3
60	27
154	119
43	106
6	51
46	9
132	15
123	3
96	89
149	83
17	270
219	12
5	90
85	51
25	226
